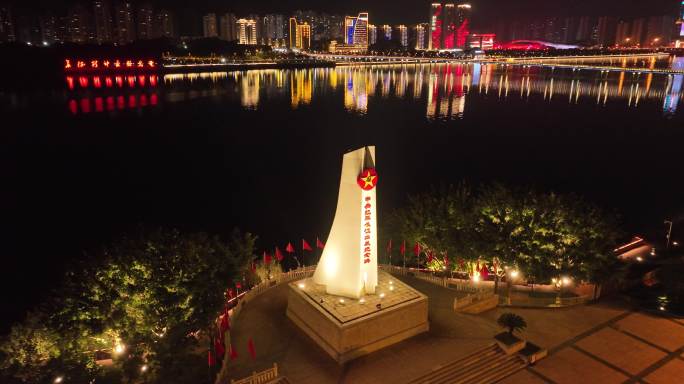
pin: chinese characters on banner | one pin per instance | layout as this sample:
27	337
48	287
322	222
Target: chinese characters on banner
367	229
106	64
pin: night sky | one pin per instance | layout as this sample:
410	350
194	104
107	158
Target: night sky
402	11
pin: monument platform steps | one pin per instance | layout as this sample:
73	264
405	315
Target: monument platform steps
487	365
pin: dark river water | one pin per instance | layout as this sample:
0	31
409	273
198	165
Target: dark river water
261	150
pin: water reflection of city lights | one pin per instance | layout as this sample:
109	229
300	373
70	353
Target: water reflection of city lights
97	104
85	82
442	89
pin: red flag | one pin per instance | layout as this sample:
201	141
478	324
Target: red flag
225	323
211	359
279	255
219	348
484	272
252	350
319	244
267	258
230	293
389	246
289	248
402	248
233	353
416	249
306	246
430	257
238	285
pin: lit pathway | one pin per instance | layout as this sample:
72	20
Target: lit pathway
588	344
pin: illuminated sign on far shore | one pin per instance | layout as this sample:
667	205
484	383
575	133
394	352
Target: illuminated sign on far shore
76	65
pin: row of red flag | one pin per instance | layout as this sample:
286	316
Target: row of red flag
483	271
289	249
219	343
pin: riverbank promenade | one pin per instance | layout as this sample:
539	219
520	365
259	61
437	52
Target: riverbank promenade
598	343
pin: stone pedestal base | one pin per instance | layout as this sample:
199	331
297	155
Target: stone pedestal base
347	328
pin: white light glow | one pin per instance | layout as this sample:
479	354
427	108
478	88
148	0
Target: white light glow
514	274
59	379
382	295
341	301
301	285
119	348
143	368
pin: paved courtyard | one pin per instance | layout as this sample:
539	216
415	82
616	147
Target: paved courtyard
600	343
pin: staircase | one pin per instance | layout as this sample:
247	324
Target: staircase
485	366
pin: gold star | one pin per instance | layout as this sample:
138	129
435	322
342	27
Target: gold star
368	180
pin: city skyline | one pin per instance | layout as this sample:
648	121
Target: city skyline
387	12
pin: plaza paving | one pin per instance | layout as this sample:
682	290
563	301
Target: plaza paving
600	343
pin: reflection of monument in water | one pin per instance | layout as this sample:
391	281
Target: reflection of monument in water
348	307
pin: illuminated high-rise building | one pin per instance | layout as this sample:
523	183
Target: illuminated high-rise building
209	25
449	25
6	24
247	31
680	22
463	12
304	36
660	31
361	30
102	15
372	34
386	32
273	30
349	23
164	26
228	27
300	35
77	24
436	19
606	31
356	30
401	33
123	21
145	21
421	35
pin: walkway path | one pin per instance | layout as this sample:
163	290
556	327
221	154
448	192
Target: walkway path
576	337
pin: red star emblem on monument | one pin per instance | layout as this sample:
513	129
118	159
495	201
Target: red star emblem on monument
367	179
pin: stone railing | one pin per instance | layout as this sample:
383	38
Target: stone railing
471	298
259	377
543	302
483	290
284	277
446	282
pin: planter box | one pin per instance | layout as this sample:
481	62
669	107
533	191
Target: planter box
509	343
533	353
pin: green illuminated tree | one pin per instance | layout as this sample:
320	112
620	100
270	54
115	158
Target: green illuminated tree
151	292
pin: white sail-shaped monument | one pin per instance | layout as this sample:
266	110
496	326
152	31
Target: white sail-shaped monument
348	307
349	263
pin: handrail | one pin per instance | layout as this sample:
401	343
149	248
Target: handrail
259	377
